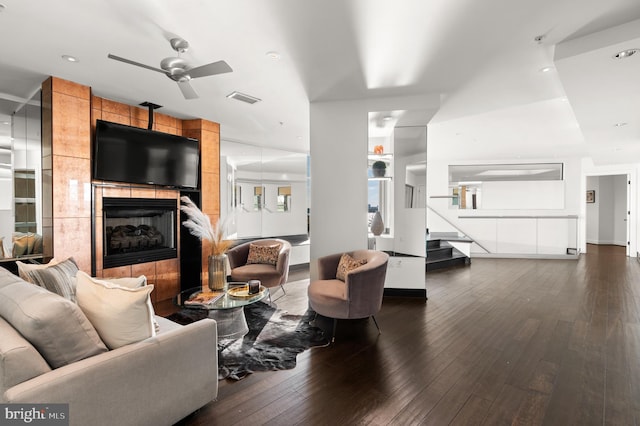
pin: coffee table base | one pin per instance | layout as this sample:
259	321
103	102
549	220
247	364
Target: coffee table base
232	324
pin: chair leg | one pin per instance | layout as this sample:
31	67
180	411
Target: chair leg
376	323
282	287
333	334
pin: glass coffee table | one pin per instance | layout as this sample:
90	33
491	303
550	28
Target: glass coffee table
228	310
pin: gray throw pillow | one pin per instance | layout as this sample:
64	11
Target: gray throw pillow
59	278
55	326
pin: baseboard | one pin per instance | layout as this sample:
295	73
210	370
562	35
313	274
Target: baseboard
406	292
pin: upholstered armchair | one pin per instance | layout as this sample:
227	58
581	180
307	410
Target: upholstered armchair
358	296
270	274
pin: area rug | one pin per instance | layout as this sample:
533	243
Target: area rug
274	340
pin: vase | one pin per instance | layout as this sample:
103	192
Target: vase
377	225
378	171
218	272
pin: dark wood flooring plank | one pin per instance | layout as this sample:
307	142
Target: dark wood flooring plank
504	341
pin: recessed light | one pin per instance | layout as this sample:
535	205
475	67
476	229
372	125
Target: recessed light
70	58
273	54
546	69
620	124
6	123
625	53
387	118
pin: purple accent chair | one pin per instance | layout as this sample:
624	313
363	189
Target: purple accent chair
359	296
270	276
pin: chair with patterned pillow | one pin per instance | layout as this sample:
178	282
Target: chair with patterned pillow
266	260
349	285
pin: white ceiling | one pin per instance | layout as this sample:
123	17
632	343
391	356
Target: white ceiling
479	56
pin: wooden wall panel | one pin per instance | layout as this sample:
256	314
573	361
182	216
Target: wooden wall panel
69	116
208	133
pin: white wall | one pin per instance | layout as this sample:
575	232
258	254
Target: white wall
506	235
339	136
593	211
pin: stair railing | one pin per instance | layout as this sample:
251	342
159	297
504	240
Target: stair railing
457	228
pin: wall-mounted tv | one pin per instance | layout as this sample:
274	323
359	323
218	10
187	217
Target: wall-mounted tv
132	155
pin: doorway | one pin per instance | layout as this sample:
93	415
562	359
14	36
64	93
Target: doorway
607	211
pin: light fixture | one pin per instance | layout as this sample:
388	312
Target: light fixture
243	97
546	69
6	123
620	124
387	118
70	58
273	55
625	53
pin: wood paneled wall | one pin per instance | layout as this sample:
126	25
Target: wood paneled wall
208	133
69	117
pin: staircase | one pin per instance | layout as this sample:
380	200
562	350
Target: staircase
441	254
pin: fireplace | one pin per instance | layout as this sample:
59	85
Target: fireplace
138	230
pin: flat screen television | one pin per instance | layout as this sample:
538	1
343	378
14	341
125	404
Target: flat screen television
132	155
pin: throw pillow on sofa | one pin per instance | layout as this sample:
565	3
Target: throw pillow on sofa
24	267
59	278
55	326
135	282
120	315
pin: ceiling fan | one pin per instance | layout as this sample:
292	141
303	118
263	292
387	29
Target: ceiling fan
179	70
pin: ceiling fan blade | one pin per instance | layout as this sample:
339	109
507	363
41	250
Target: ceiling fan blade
138	64
187	90
213	68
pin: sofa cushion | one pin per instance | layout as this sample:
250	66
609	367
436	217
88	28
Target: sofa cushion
59	278
19	360
121	315
267	255
348	264
55	326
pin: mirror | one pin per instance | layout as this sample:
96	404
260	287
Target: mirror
277	184
21	182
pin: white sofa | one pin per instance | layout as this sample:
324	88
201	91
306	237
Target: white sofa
157	381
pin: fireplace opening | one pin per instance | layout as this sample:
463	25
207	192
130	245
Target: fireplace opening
138	230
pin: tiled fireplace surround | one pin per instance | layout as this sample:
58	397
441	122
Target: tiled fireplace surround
69	114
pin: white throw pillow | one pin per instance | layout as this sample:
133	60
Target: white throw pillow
120	315
135	282
128	282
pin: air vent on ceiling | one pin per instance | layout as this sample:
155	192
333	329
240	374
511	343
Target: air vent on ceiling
242	97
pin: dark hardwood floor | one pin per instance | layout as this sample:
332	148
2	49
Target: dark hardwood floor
504	341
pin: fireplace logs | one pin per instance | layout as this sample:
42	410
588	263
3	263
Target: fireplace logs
129	238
